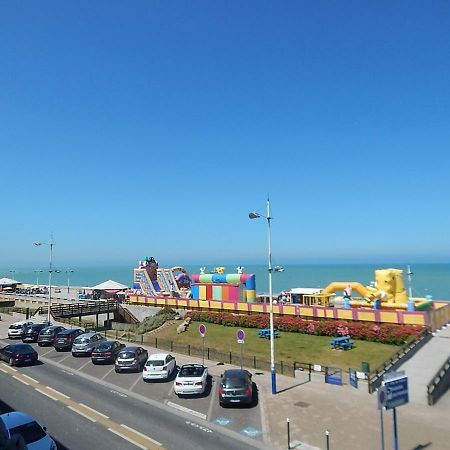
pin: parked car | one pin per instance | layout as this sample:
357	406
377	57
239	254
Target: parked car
131	358
106	352
159	366
236	386
65	338
47	335
16	329
31	332
18	354
86	342
191	379
33	435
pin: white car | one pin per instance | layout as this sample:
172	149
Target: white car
18	427
16	329
159	366
191	380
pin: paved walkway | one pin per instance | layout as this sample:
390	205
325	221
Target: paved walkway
350	415
422	367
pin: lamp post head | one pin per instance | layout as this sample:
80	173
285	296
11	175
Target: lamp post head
278	269
38	243
254	215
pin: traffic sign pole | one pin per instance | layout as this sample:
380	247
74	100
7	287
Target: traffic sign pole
382	428
202	331
394	411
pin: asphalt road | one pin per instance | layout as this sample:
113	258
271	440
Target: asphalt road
86	406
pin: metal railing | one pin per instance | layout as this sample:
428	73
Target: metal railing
440	383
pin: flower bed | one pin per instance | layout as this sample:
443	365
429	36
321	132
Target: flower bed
384	333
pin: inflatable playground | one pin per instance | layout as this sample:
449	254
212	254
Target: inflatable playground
384	300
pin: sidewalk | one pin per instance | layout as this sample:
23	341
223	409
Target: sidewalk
350	415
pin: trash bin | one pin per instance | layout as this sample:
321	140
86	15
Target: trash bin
365	367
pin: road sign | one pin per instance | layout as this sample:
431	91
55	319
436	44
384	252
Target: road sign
240	336
395	385
202	330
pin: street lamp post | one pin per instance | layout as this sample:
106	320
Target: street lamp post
37	272
50	244
255	215
68	271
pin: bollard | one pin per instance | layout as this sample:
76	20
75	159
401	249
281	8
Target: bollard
288	433
327	435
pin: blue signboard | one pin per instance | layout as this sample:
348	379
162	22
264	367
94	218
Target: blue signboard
395	390
333	375
353	378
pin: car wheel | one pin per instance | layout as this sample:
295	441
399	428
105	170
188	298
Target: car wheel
117	370
11	361
74	355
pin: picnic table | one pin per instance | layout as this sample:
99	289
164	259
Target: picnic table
342	343
265	333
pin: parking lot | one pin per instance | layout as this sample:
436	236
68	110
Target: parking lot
244	420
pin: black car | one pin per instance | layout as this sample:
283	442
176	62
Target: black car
131	358
64	339
18	354
236	387
31	332
47	335
106	352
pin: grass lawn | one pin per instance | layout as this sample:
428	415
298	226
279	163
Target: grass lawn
289	347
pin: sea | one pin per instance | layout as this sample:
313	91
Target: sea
426	280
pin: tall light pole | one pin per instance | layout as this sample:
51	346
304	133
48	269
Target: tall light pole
255	215
37	272
50	244
68	271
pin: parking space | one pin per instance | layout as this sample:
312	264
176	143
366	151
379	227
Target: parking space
244	420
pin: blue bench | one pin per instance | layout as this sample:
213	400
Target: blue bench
265	333
342	343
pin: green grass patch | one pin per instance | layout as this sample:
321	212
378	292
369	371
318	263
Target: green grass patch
289	347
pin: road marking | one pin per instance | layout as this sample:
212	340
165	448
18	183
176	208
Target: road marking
187	410
213	397
65	357
200	427
31	379
43	354
67	372
127	438
84	365
93	410
81	413
12	368
3	370
118	393
57	392
20	379
107	373
135	382
140	434
46	394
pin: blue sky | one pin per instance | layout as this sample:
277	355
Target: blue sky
154	127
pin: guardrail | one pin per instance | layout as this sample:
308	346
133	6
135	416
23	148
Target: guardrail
440	383
85	309
374	378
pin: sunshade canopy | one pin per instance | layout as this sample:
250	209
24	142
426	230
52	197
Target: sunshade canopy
8	282
110	285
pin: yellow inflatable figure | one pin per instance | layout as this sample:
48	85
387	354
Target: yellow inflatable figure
220	270
391	282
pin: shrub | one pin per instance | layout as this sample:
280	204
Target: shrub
383	333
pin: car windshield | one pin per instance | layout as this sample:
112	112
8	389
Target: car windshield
82	340
155	362
47	332
191	371
128	354
15	327
31	432
105	346
25	348
235	381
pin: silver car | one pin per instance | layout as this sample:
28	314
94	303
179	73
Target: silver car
86	342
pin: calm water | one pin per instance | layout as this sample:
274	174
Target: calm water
428	279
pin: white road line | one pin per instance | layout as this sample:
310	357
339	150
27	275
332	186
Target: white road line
20	379
107	373
213	397
65	357
12	368
187	410
135	382
57	392
43	354
127	438
46	394
31	379
67	372
85	364
141	434
3	370
93	410
81	413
